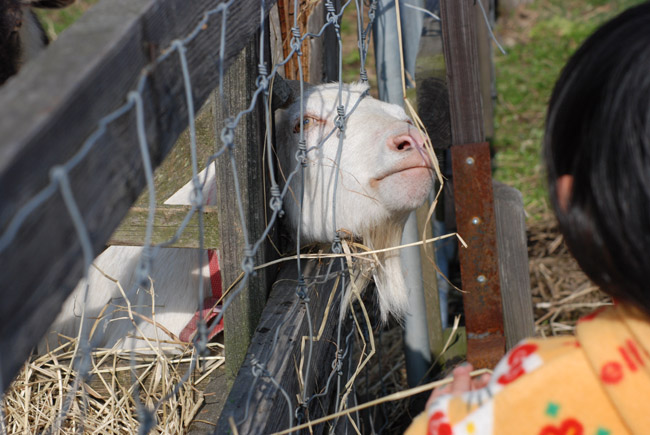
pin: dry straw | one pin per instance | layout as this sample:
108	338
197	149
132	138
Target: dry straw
106	401
562	293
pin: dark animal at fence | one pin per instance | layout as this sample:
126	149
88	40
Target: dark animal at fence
383	174
22	36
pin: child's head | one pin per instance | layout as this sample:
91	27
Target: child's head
597	151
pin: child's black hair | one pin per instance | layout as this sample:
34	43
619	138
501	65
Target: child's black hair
598	131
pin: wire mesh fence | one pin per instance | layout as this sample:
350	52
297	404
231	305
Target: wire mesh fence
67	390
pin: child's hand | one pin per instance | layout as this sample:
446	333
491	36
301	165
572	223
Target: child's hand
461	383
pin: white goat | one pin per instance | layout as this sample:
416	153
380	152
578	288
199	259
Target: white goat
383	174
174	278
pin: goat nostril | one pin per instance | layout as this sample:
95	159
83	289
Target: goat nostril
403	145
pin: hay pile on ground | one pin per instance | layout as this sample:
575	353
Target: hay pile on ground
562	293
49	396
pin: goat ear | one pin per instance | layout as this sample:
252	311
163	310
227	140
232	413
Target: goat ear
50	4
286	92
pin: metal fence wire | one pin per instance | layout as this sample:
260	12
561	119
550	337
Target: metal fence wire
354	339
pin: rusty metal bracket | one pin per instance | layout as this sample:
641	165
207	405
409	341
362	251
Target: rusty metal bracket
479	267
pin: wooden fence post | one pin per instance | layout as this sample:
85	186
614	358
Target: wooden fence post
433	108
519	322
242	316
486	65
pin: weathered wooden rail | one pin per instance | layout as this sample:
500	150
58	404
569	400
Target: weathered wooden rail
55	104
279	353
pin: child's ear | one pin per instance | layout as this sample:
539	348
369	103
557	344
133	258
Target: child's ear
563	189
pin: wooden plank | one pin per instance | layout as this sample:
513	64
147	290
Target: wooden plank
215	395
463	80
486	65
241	318
433	108
319	55
175	171
519	322
286	15
268	411
167	220
54	104
430	283
316	55
331	50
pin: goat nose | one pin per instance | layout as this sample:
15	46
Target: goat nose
406	142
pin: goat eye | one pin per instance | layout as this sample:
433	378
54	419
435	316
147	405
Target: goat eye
306	122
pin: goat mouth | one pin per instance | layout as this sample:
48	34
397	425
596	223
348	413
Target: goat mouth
400	171
374	182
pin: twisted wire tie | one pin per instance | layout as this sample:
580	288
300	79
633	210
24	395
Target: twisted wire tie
332	18
248	264
336	244
228	137
295	41
301	293
301	155
340	110
262	80
364	75
339	362
256	367
261	68
197	199
371	12
276	200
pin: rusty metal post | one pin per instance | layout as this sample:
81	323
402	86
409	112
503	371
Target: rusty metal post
479	261
472	186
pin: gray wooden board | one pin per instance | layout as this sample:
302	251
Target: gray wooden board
241	317
268	411
167	221
486	65
331	50
215	394
516	295
461	54
433	109
54	104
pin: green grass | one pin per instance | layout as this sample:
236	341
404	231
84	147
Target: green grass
56	21
538	47
351	56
